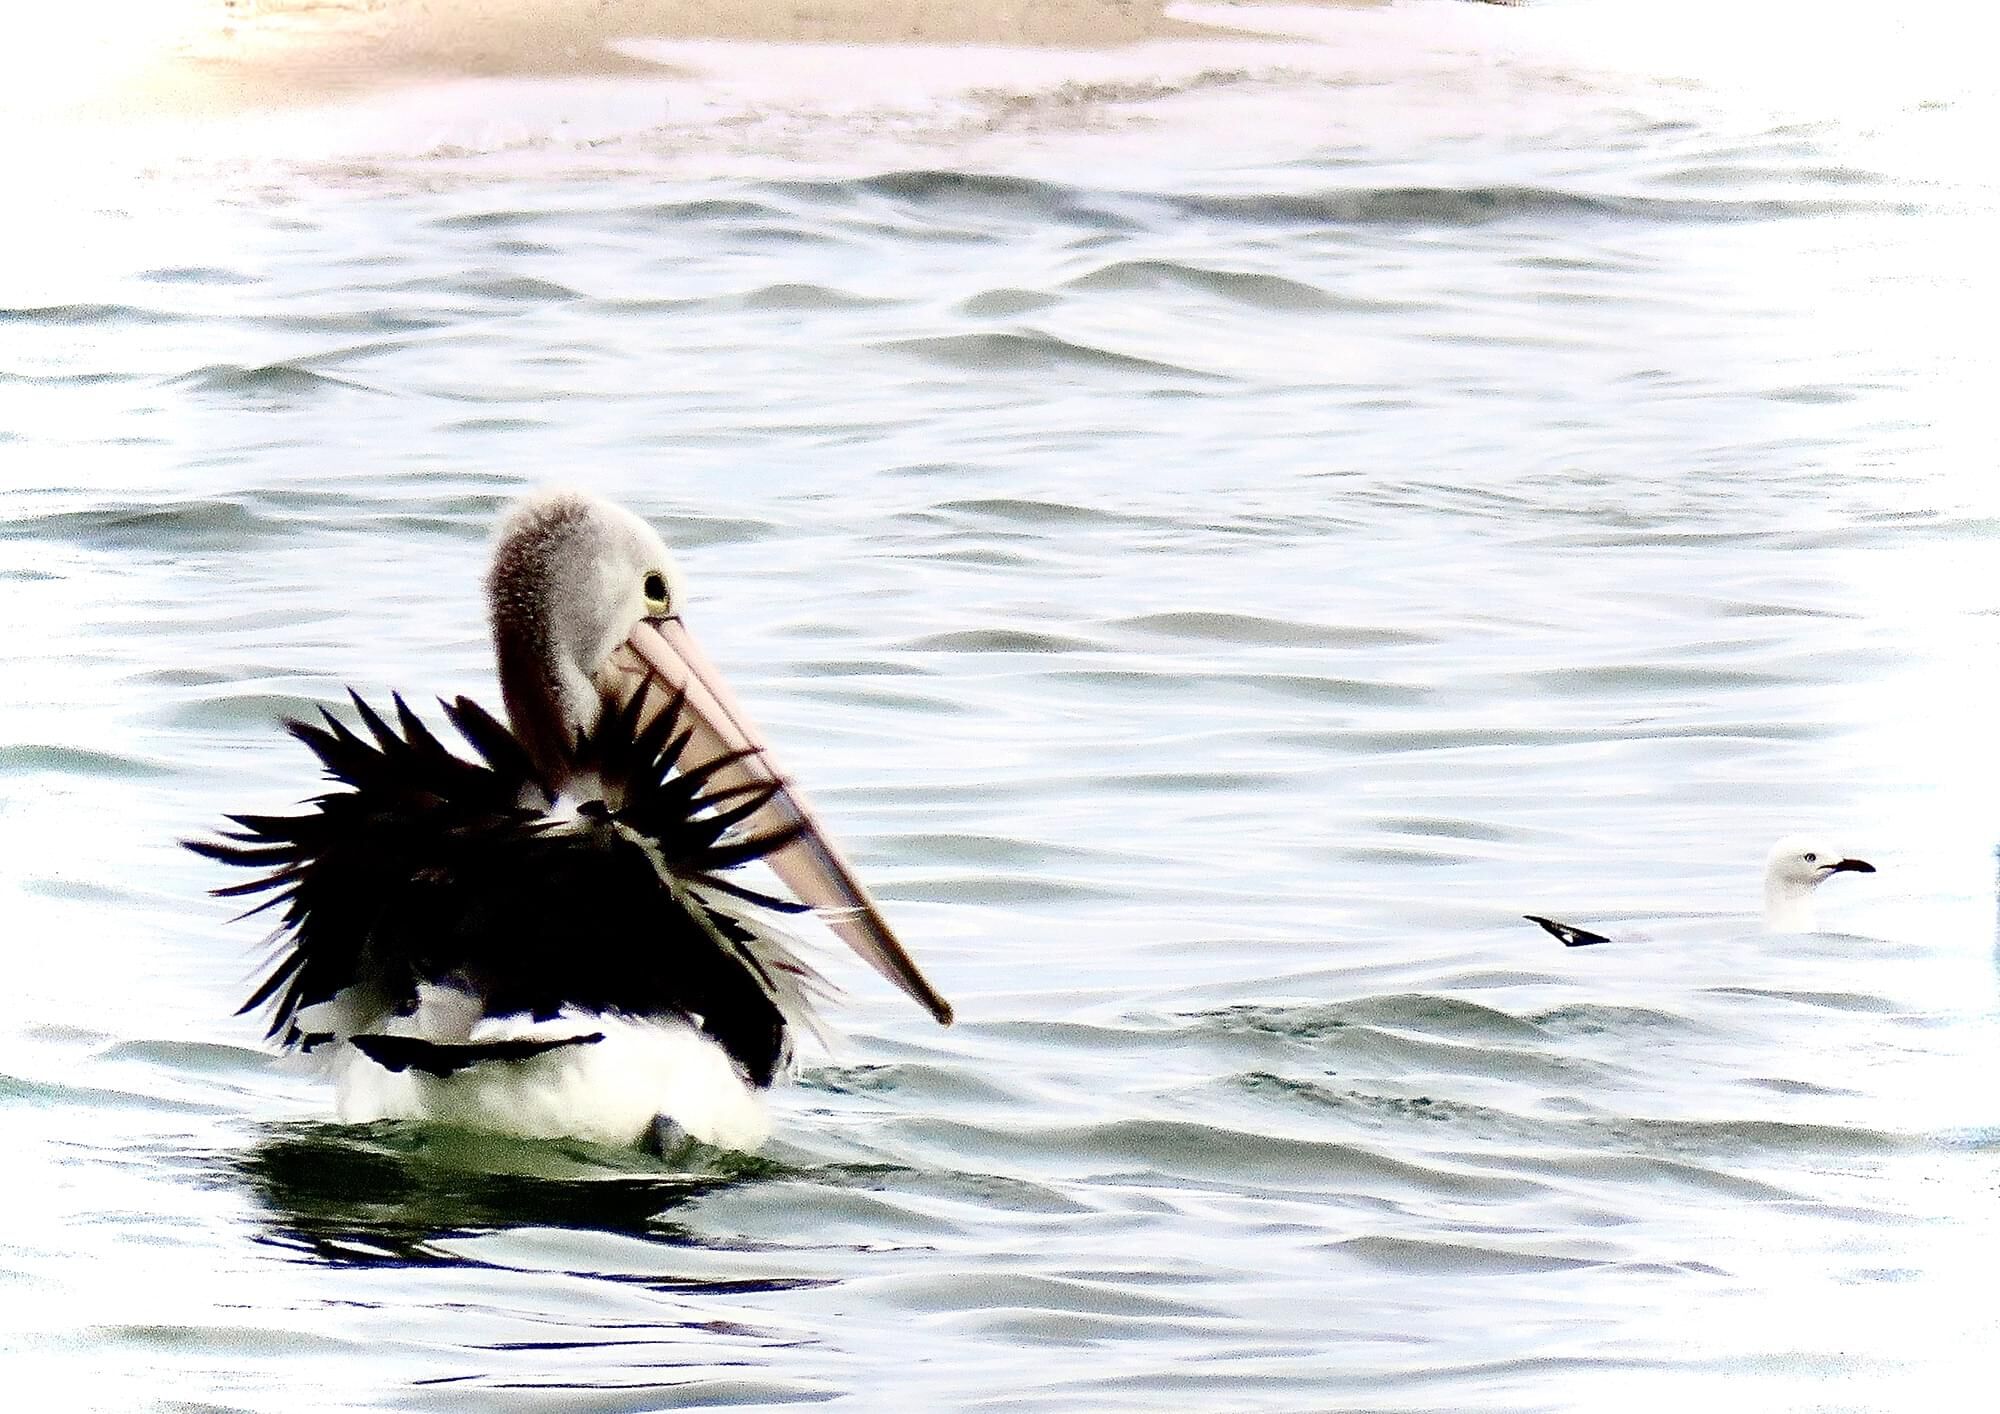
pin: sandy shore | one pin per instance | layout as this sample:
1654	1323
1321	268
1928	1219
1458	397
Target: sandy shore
232	53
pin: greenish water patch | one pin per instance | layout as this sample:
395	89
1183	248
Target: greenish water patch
390	1192
27	760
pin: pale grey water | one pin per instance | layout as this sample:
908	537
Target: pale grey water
1214	587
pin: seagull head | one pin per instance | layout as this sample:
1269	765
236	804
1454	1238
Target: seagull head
1798	865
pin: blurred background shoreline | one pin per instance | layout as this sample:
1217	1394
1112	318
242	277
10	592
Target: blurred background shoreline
214	56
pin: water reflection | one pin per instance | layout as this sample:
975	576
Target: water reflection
390	1192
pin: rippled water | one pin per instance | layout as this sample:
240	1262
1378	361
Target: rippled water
1212	594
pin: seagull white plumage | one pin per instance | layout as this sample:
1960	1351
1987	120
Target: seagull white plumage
1797	866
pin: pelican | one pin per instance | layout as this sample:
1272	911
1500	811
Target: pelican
546	940
1795	868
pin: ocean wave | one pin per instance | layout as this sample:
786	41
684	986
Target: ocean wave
23	758
968	193
195	525
1244	287
999	640
1143	1149
1032	511
1211	626
495	286
285	381
1297	687
88	315
1029	350
1459	1259
991	197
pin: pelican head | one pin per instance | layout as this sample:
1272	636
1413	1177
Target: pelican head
572	578
586	607
1798	865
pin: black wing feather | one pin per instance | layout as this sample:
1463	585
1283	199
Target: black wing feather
1568	934
421	867
442	1059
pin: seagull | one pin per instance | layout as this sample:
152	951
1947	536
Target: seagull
1797	865
547	938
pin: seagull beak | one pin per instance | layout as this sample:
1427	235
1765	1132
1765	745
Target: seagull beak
810	865
1852	866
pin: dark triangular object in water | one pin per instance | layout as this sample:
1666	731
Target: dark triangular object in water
1566	935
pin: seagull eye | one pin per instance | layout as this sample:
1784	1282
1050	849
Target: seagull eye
1811	858
656	589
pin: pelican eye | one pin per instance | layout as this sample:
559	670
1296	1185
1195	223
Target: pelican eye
656	591
1811	858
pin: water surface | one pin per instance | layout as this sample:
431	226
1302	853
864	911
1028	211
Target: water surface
1219	552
